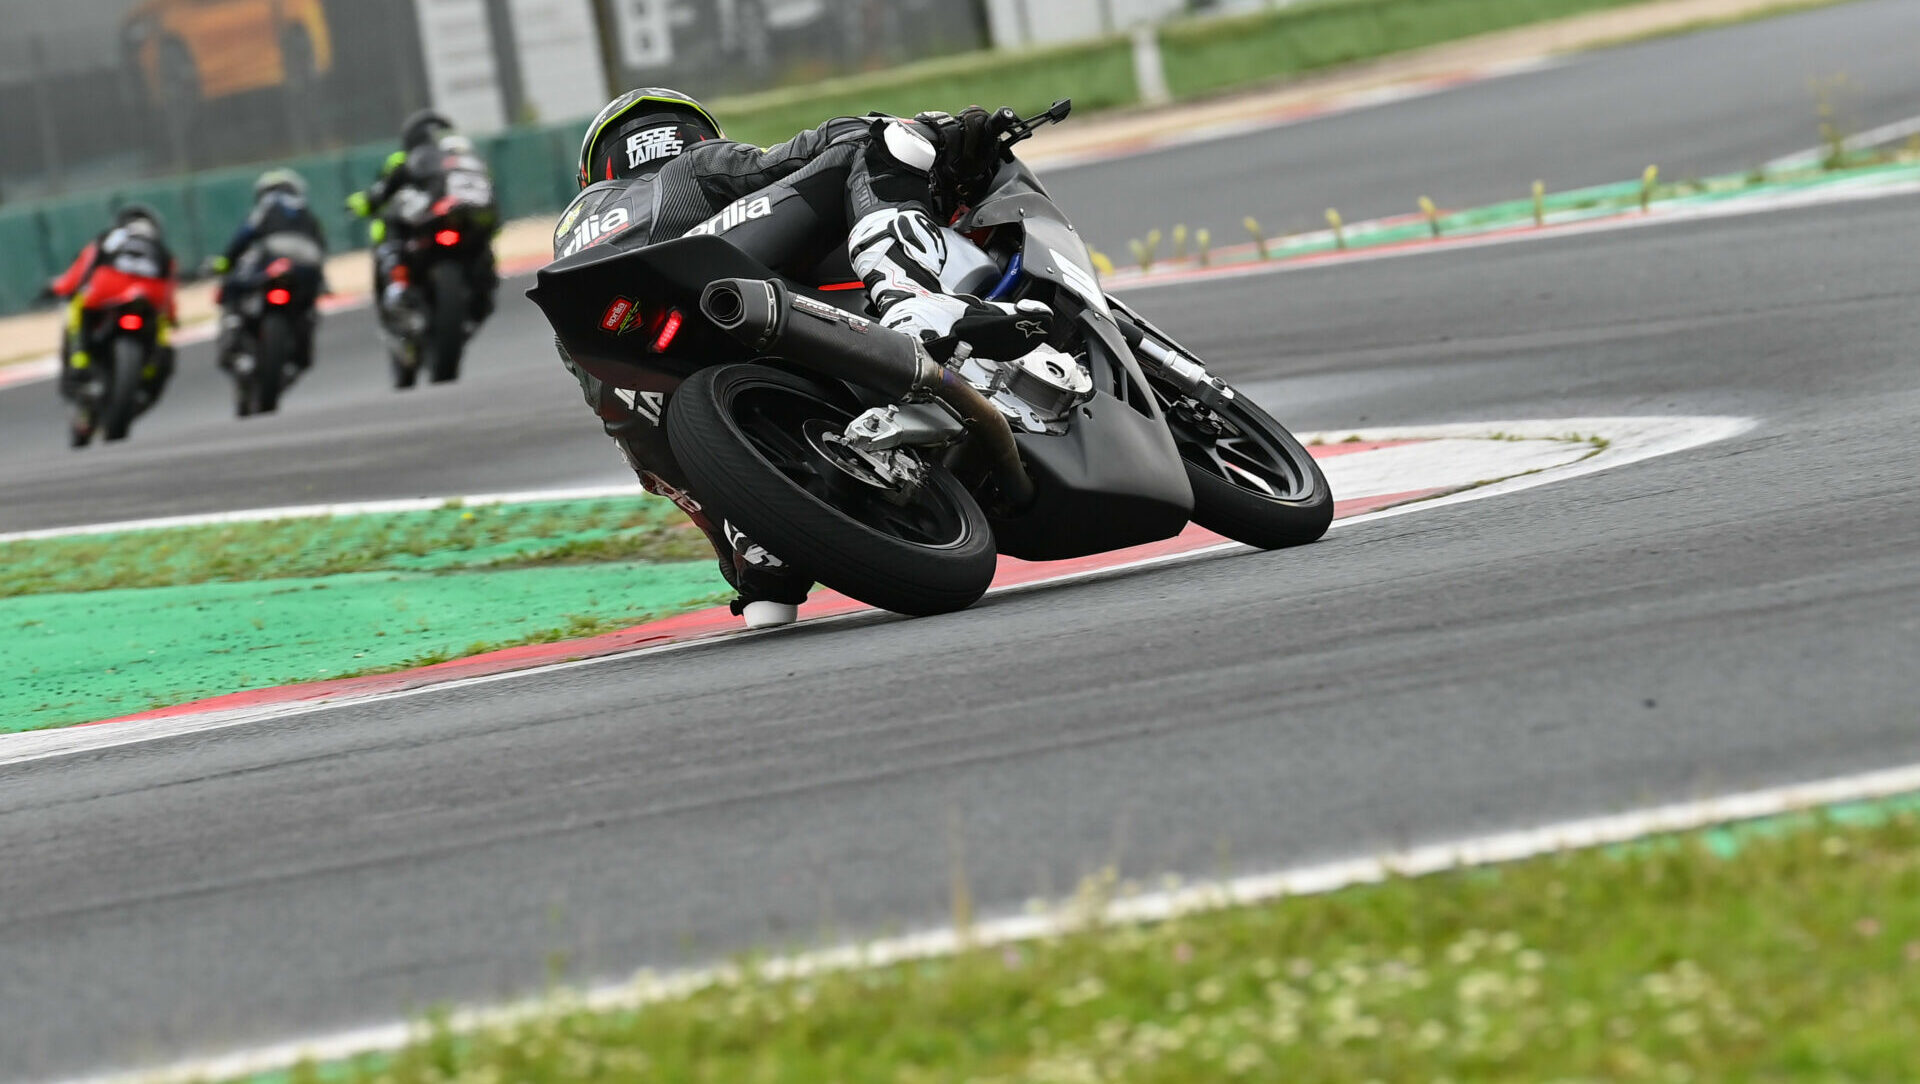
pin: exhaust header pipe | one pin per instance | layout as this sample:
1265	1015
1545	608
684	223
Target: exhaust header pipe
768	317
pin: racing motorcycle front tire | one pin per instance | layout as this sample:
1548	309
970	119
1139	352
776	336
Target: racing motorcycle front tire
748	438
1297	511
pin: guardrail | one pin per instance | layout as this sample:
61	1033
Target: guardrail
533	175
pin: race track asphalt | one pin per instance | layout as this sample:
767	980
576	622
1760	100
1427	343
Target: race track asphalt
1737	615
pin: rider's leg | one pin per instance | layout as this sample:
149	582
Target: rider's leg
74	361
228	343
303	342
159	370
770	590
386	254
484	278
898	250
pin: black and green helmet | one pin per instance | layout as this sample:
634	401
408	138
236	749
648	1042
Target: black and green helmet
641	131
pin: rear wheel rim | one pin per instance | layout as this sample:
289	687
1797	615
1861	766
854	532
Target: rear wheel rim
781	425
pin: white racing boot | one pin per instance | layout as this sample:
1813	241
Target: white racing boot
900	256
769	615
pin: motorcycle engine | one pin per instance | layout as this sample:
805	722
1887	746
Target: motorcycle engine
1036	391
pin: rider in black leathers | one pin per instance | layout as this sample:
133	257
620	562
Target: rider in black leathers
279	225
431	154
655	161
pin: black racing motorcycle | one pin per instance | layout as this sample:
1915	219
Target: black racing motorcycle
443	239
274	312
847	450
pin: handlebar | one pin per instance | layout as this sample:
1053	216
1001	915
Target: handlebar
1016	129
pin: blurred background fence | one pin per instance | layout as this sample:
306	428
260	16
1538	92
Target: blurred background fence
179	103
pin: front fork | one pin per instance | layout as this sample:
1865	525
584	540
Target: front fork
1161	356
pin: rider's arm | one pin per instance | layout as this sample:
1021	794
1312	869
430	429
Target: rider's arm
242	238
392	177
76	275
729	170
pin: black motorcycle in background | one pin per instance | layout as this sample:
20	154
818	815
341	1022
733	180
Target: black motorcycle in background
277	309
428	325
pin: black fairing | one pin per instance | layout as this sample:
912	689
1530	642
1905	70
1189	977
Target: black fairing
578	292
1114	479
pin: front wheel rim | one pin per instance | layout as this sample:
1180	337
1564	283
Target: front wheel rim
1239	454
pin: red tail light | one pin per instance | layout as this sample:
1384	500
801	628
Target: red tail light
401	275
279	295
132	321
668	331
447	238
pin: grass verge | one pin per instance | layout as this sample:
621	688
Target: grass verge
98	654
636	528
1096	75
1789	950
104	625
1207	56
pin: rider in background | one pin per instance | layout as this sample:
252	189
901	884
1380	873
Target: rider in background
432	156
279	225
131	256
861	193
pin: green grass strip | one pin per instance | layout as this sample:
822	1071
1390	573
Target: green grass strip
1218	54
1096	75
1792	956
638	528
78	657
1201	56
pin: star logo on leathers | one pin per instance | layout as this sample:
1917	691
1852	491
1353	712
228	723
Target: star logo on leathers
1032	329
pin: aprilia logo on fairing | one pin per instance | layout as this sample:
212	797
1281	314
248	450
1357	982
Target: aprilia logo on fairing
616	315
737	212
596	228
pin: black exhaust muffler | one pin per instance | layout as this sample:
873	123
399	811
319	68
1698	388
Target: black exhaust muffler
768	317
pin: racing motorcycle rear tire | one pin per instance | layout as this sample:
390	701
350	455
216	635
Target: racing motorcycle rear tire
123	395
1298	511
447	321
728	425
270	362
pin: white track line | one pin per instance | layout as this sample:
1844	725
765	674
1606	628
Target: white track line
1631	440
1872	137
345	508
1154	906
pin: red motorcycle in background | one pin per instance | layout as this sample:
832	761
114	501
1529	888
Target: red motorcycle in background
117	355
